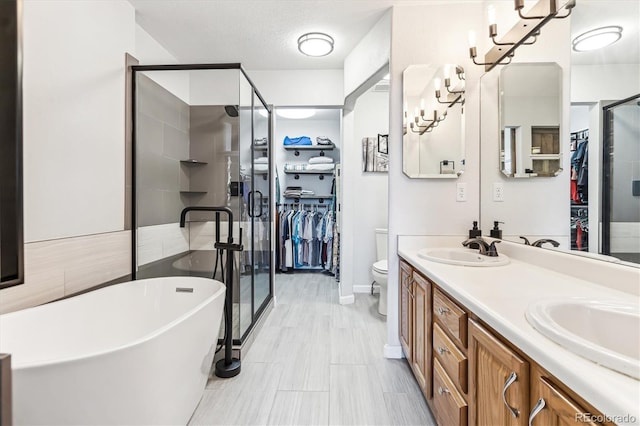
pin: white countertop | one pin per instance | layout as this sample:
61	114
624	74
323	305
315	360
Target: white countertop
500	295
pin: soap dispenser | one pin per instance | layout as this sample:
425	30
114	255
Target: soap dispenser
475	233
496	232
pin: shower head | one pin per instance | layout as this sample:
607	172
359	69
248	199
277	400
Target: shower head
231	110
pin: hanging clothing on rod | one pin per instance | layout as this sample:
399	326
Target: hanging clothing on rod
305	237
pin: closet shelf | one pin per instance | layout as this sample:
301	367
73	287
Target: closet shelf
320	173
193	192
320	198
298	148
193	161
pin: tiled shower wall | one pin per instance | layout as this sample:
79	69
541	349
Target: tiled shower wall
162	140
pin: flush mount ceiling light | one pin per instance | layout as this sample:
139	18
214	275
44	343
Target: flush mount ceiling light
296	113
596	39
315	44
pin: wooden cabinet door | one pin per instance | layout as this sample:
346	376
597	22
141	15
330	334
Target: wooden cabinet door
498	381
555	408
406	310
421	362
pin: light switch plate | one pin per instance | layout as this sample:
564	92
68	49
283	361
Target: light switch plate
461	191
498	191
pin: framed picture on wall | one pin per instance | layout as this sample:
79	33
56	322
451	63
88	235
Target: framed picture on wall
383	147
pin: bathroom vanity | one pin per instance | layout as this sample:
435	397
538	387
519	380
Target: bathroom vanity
479	361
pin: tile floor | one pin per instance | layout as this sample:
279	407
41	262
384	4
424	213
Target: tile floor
316	362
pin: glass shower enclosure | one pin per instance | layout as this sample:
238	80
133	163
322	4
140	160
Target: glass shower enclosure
202	138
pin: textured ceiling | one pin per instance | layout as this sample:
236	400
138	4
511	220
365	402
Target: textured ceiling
262	34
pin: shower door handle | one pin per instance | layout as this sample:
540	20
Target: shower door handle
251	204
260	200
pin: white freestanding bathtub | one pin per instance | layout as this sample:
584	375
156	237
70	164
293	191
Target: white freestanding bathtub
132	353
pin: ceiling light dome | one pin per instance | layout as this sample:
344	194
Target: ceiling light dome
597	38
296	113
315	44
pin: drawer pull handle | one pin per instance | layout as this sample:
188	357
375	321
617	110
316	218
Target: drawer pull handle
442	311
539	406
442	350
512	378
442	390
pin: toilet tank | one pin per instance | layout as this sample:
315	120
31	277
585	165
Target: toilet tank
381	244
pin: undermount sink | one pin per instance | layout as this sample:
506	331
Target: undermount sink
605	332
462	256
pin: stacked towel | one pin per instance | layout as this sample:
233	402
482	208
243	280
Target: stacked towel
296	192
320	160
323	140
297	167
260	141
302	140
261	160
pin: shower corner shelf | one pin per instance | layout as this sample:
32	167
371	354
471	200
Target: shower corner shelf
193	161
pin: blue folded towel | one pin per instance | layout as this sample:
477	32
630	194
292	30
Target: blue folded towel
302	140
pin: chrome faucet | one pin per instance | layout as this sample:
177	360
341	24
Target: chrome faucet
486	249
540	242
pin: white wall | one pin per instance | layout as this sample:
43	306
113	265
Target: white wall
592	83
364	195
429	34
149	52
299	87
369	55
74	80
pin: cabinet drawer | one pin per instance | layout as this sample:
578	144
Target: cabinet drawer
450	408
452	360
451	317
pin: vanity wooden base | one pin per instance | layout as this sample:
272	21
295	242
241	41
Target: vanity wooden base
470	374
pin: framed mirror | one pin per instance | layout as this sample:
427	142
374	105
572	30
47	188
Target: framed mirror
530	116
433	121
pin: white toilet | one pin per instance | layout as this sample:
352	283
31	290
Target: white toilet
380	268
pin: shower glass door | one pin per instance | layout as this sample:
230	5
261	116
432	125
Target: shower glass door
261	215
621	180
193	146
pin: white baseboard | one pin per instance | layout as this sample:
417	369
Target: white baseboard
366	288
393	351
347	300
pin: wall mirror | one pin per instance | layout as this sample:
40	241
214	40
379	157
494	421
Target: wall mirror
433	144
530	116
599	108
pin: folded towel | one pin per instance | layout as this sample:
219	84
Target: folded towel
260	141
261	167
321	167
302	140
261	160
323	140
320	160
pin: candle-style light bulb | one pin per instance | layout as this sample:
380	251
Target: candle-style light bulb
447	71
491	14
472	39
422	105
437	83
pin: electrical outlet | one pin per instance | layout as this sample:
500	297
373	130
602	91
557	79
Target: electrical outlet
461	192
498	191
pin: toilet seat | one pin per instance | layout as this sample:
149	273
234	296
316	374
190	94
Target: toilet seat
381	266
